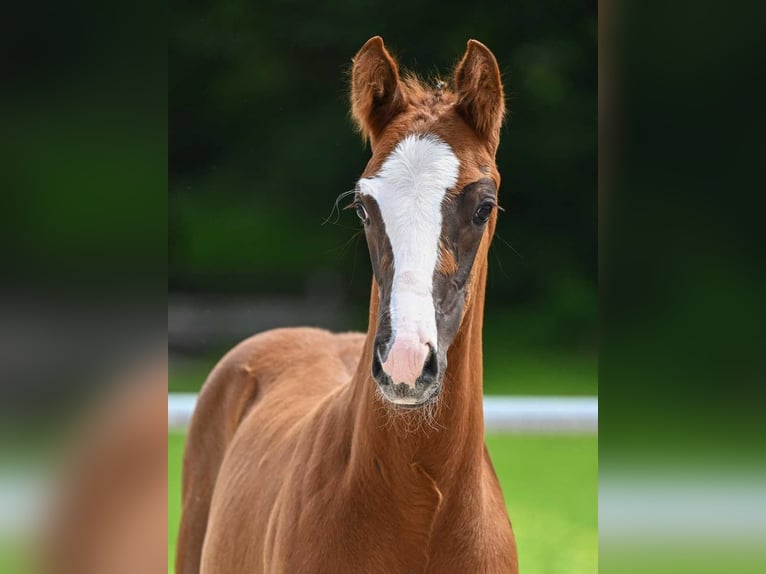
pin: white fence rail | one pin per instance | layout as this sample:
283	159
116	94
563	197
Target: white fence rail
510	414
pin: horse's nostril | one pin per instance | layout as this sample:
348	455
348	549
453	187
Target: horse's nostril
377	367
431	368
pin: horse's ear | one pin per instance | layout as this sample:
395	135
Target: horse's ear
377	95
481	101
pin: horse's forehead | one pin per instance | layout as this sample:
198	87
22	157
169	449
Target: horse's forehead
420	167
474	160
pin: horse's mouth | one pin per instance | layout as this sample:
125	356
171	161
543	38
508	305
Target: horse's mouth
405	396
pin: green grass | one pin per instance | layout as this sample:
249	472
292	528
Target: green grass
17	557
551	491
640	557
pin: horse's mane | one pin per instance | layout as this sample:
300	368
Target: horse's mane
430	98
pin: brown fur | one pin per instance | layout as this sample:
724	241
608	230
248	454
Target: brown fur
481	101
447	263
294	464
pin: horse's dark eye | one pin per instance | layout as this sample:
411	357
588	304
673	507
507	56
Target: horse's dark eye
361	212
482	214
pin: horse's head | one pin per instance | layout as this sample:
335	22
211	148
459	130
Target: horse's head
428	203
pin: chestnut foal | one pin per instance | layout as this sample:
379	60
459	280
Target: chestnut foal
360	453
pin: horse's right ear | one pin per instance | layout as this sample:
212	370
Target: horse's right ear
377	95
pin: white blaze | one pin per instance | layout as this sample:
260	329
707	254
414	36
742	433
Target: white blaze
409	189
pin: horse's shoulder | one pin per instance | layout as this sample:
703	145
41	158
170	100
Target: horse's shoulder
287	344
268	354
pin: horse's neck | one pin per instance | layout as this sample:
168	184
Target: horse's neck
448	443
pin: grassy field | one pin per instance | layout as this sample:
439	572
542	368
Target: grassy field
551	491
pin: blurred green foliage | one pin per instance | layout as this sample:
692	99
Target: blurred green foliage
260	145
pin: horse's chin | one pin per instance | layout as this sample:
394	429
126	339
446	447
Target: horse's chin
412	400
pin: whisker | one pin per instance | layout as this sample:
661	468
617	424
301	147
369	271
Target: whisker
409	421
500	263
356	236
341	250
335	210
501	238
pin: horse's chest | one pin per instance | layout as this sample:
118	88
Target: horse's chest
367	527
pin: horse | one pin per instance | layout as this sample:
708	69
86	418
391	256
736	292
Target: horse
315	452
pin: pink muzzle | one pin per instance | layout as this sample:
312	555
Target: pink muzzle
406	359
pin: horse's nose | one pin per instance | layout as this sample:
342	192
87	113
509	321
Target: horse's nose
408	359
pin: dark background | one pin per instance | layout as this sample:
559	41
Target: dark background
261	143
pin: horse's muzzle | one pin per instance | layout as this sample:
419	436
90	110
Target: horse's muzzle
408	372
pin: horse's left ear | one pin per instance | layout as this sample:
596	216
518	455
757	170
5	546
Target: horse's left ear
481	101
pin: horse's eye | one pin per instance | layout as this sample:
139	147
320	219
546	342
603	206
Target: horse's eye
362	213
481	216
